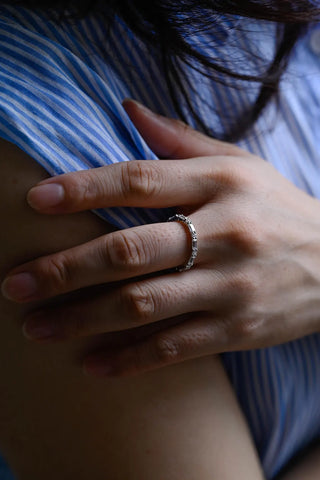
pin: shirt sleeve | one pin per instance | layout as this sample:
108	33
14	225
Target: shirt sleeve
64	115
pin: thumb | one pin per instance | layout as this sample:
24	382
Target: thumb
171	138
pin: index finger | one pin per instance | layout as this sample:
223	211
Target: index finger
138	183
142	183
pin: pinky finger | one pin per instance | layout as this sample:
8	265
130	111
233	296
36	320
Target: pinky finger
198	337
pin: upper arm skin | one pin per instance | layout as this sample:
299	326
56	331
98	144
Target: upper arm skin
306	467
180	422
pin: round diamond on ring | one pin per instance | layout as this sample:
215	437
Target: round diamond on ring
194	240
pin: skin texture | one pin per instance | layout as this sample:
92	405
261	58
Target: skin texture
55	422
178	422
255	278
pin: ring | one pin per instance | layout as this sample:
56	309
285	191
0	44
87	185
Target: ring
194	238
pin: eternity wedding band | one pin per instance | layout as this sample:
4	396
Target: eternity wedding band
194	240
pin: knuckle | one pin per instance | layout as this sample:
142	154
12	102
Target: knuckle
244	284
228	176
247	177
166	350
140	179
84	187
125	251
57	271
236	175
138	304
246	234
248	328
77	188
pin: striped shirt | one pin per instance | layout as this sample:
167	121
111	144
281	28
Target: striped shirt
60	102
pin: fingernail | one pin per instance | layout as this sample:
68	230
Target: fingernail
19	287
37	328
45	196
142	107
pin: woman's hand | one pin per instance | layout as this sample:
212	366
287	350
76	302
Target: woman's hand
255	282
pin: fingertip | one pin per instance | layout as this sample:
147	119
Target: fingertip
157	130
134	107
129	101
21	287
42	197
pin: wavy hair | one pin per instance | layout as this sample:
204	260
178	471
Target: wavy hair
169	25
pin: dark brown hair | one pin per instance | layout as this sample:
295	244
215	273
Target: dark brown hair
168	24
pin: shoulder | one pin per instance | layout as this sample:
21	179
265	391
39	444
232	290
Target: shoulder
26	234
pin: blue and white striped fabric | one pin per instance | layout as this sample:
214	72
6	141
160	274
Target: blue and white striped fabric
60	101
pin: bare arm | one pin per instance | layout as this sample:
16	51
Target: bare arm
181	422
308	468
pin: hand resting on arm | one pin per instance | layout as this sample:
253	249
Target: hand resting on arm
182	422
256	279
